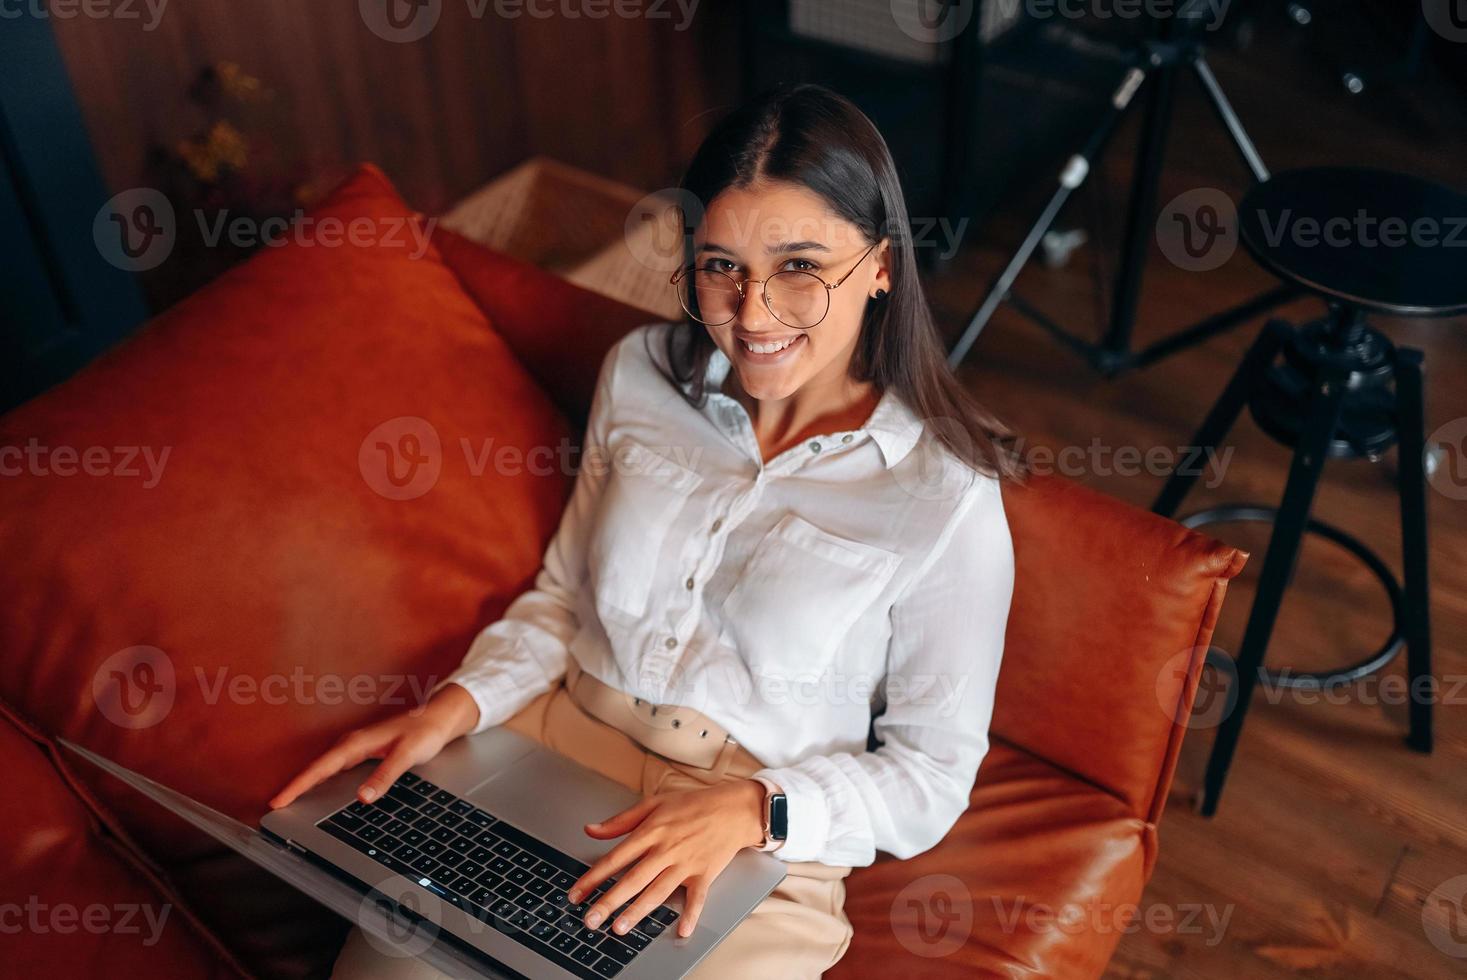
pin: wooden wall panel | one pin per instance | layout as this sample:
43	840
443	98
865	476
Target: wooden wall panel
622	96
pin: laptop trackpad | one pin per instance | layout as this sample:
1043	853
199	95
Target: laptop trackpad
553	798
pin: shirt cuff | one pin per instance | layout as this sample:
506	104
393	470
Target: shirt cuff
809	814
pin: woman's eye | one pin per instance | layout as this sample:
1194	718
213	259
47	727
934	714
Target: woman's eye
802	265
718	265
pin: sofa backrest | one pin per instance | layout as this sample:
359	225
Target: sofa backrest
1105	640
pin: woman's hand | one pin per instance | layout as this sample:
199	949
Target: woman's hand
401	742
673	839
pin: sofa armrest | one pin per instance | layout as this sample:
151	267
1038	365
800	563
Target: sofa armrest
1113	611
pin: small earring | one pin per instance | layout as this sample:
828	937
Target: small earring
880	294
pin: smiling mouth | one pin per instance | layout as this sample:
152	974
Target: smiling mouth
769	347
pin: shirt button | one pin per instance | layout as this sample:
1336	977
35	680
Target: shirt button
689	583
670	642
847	437
814	447
717	524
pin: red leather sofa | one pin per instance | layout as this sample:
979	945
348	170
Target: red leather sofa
210	572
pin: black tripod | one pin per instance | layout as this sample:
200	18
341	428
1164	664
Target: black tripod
1176	44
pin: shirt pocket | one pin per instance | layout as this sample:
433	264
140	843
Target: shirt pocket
799	595
644	493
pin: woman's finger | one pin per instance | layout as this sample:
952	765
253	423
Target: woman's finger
348	752
607	865
637	877
407	753
693	907
624	822
652	896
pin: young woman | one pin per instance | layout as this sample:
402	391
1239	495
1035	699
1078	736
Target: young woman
787	522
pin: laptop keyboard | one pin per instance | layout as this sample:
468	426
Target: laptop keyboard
495	872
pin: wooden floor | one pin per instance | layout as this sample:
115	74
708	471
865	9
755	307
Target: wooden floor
1331	834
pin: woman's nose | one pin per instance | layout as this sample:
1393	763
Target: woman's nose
753	311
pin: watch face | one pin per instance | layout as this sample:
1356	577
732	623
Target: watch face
779	816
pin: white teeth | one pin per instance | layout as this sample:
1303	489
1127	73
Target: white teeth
769	348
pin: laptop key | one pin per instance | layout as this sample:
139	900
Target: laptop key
635	940
586	955
608	967
481	855
616	949
663	914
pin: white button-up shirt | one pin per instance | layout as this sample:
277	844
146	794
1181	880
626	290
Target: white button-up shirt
860	572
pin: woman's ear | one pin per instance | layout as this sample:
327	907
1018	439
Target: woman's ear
882	279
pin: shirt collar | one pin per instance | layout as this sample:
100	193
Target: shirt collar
893	426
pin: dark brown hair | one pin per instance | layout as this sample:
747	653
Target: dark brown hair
810	136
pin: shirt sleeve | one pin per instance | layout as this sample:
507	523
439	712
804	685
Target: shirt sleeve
522	654
942	668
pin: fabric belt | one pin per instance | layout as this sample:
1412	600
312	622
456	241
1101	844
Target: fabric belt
676	733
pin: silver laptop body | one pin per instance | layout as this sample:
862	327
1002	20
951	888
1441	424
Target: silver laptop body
533	790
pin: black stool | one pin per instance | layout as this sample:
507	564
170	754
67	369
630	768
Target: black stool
1339	389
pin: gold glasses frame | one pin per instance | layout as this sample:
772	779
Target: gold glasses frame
739	284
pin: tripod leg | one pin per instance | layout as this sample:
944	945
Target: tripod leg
1278	567
1410	409
1074	174
1141	212
1230	120
1224	412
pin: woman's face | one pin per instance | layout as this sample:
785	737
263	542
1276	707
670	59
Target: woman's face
753	233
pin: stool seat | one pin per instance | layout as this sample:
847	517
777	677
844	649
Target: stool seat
1375	239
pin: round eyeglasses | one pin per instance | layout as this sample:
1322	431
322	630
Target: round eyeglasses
795	298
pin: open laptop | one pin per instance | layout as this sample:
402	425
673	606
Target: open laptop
464	863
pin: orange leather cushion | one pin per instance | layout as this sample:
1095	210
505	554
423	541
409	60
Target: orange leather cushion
72	903
1112	613
287	592
1027	884
559	331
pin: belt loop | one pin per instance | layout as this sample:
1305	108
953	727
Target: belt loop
725	758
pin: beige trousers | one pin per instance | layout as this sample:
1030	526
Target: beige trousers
799	931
